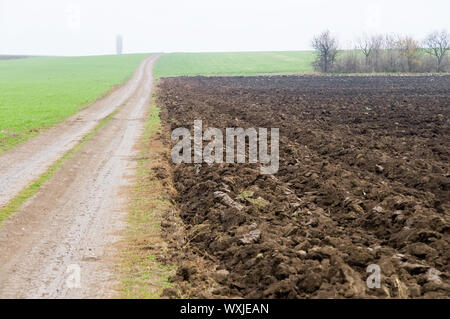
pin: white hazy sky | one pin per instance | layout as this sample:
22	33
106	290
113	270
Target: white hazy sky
87	27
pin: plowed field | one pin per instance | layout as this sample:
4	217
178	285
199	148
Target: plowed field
364	179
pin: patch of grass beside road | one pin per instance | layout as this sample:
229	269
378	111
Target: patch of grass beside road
143	275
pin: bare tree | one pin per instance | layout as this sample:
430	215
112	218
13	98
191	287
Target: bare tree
371	46
409	48
437	44
377	42
327	49
365	45
391	60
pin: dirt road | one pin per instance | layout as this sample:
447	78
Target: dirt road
68	230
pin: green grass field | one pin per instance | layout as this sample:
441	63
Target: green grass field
236	63
36	93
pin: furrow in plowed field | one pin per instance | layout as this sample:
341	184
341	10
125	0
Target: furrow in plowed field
364	179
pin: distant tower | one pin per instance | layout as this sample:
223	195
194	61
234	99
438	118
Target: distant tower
119	44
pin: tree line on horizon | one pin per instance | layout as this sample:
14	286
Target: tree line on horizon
386	53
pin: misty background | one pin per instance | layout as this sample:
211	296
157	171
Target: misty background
89	27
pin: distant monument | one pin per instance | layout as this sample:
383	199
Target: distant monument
119	44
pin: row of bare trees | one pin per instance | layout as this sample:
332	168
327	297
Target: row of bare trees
383	53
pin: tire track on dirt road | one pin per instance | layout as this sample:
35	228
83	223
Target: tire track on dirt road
76	219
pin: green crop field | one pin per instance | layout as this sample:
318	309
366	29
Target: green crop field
36	93
236	63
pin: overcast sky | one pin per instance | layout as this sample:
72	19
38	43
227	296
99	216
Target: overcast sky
87	27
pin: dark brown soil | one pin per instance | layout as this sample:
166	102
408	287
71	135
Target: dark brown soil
364	179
